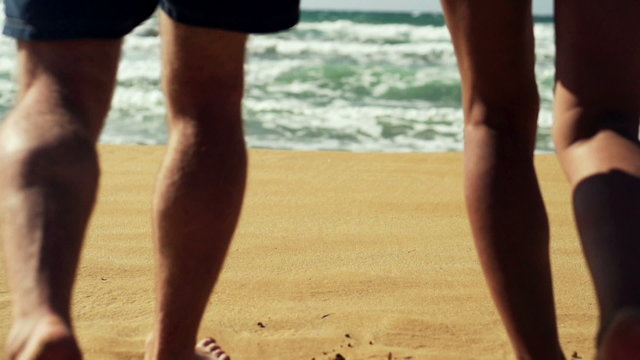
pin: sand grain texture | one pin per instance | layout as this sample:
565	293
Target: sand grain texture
361	255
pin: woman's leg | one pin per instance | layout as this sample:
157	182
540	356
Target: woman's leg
495	49
596	134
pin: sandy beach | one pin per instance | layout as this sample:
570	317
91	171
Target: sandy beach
368	256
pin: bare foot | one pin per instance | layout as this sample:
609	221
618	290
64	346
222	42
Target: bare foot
622	340
49	338
208	349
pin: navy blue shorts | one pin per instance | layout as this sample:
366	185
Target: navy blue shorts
107	19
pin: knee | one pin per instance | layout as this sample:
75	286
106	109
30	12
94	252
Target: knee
54	155
508	125
212	98
578	126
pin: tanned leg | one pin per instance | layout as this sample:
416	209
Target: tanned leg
48	184
495	49
596	134
201	184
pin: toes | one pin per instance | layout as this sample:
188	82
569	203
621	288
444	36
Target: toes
219	354
212	350
206	342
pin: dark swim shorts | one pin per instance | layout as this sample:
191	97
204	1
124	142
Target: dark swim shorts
107	19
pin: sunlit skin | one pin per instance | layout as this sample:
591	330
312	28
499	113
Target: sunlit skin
596	111
50	174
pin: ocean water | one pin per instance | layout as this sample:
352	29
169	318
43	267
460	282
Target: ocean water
348	81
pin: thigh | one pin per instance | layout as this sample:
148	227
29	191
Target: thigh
495	49
248	16
74	19
598	69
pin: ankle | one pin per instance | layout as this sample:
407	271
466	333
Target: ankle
166	350
550	353
553	357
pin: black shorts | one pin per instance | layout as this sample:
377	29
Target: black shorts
107	19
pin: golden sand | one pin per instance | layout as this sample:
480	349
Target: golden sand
364	255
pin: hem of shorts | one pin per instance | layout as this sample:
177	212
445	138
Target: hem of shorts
45	36
259	28
17	29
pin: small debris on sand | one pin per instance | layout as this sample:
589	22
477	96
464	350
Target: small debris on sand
339	357
325	316
347	336
261	325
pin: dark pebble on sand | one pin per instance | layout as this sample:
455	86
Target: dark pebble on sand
339	357
261	325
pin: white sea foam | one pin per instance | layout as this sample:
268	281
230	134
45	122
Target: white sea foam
327	85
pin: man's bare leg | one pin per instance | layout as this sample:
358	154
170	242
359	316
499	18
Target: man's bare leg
495	49
48	185
201	184
596	134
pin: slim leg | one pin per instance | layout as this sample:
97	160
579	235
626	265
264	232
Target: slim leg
596	134
495	50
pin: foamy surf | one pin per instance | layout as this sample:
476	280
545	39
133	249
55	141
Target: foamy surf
338	81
